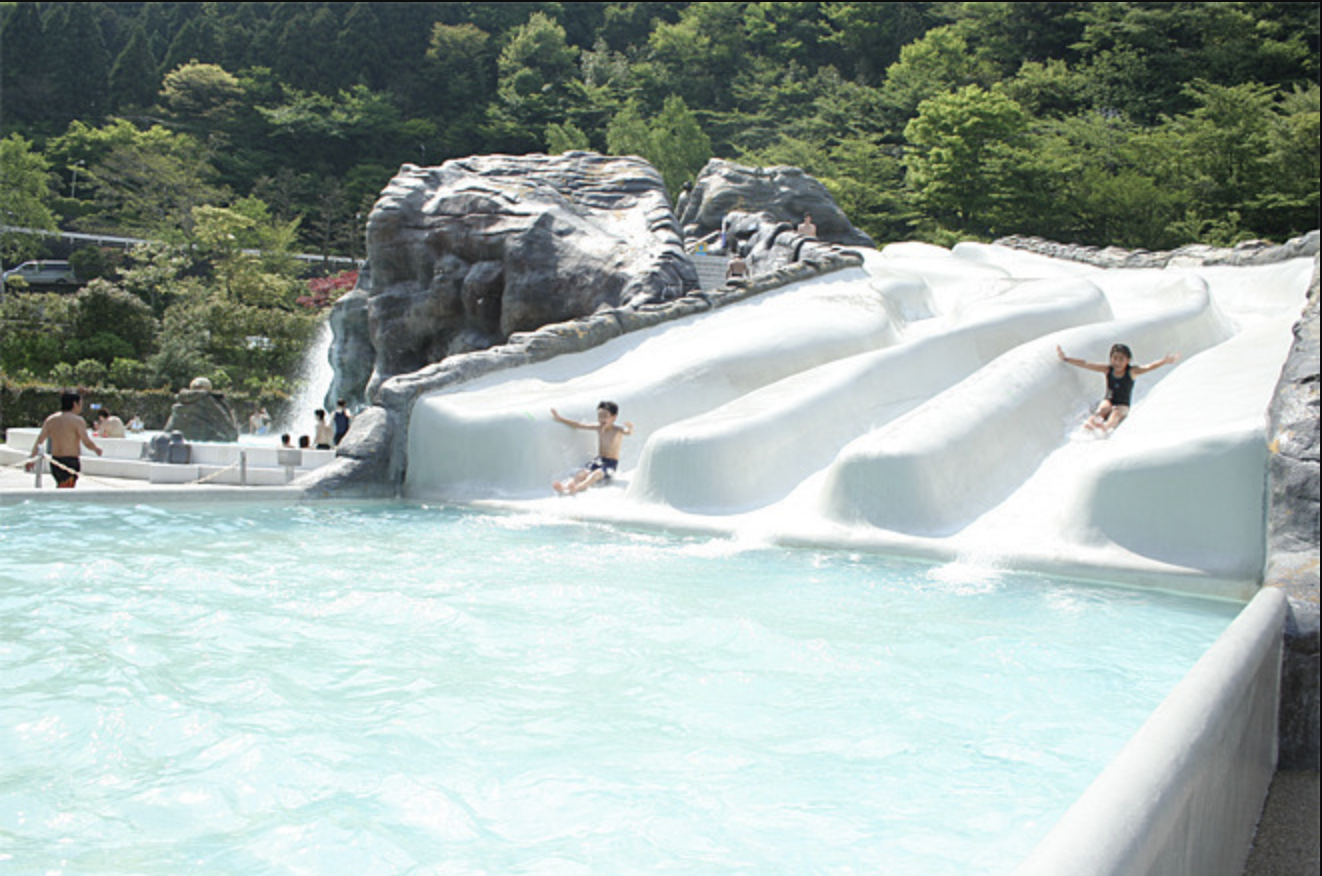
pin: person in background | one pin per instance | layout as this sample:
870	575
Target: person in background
342	420
135	424
108	425
286	441
806	227
323	433
736	267
259	422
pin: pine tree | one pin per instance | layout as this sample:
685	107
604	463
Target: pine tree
133	77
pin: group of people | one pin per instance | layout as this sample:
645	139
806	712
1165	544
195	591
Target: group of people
67	432
737	266
327	432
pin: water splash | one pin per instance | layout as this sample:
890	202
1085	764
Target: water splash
313	381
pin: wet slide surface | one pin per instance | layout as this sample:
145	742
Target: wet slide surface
915	406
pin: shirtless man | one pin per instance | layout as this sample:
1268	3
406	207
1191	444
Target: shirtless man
609	439
67	432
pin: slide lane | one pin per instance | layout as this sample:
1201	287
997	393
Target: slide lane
758	448
966	449
494	437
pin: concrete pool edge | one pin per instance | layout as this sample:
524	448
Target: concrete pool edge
1184	795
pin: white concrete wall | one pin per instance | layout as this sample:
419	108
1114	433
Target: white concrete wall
915	406
1183	797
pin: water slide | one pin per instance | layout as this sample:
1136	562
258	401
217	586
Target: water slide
915	405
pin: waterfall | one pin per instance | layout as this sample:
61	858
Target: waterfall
313	382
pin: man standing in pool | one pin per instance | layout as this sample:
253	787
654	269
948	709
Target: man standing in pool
67	433
609	439
1120	376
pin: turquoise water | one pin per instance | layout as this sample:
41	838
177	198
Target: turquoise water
396	689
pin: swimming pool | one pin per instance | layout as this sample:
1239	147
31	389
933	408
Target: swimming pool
387	688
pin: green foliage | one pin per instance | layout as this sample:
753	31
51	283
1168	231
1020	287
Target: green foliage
565	138
965	150
312	106
673	141
24	198
89	372
129	374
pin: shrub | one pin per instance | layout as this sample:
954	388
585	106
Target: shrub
129	374
90	372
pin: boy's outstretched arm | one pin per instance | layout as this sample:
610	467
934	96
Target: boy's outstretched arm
572	423
1170	359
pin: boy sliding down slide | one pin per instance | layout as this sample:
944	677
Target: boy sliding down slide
609	439
1120	376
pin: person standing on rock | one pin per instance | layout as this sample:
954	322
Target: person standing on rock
806	227
342	419
67	433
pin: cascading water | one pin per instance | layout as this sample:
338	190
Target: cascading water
313	382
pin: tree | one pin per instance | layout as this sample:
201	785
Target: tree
24	198
133	77
965	149
565	138
533	87
109	324
680	149
200	94
78	61
458	79
25	79
151	185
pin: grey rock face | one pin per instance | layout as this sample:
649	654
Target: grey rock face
202	415
1292	537
351	354
466	254
785	194
769	244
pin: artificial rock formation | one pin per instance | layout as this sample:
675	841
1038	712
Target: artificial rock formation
784	194
768	244
202	415
466	254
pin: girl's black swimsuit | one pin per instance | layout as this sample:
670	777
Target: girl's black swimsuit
1119	389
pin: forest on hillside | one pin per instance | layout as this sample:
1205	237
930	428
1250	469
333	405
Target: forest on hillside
220	126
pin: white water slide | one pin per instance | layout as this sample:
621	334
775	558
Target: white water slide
915	406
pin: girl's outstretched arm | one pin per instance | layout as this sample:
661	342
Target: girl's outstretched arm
1080	363
1170	359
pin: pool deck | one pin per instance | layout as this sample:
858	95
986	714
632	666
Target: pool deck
1287	840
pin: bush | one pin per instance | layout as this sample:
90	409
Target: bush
90	372
61	373
129	374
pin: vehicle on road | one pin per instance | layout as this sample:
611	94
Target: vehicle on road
43	273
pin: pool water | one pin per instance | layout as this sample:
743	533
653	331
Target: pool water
400	689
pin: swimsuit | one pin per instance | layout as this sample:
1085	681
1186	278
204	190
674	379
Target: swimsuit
1119	389
67	475
605	465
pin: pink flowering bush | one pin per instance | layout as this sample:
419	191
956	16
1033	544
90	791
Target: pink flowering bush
325	291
